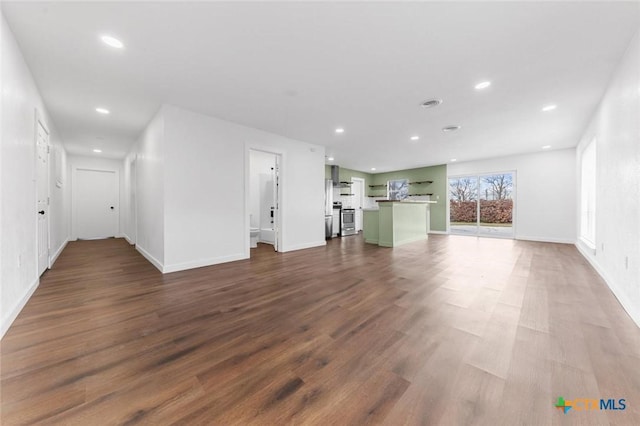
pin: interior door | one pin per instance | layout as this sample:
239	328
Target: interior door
42	182
276	203
96	199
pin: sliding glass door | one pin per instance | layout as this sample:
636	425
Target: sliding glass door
482	205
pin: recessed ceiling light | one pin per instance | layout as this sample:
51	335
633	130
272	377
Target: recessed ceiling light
330	158
339	130
102	110
483	85
112	41
546	147
549	108
431	103
415	138
453	160
97	150
373	169
451	128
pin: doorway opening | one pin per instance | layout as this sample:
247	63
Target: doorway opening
264	199
482	205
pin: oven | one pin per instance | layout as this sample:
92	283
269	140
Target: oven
348	222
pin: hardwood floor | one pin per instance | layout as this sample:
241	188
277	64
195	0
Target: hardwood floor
451	331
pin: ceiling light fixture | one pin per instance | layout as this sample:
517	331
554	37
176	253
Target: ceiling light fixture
431	103
451	128
373	169
102	110
330	158
112	41
97	151
415	138
339	130
453	160
549	108
546	147
483	85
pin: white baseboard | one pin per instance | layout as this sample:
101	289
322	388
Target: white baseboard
202	262
545	239
588	254
304	246
155	262
438	232
13	313
55	256
129	240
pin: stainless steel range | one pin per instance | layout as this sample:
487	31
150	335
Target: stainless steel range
348	222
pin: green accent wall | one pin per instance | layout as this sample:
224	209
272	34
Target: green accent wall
438	174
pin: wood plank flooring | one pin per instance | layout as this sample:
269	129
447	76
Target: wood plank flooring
450	331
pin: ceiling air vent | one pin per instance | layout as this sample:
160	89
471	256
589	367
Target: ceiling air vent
451	128
431	103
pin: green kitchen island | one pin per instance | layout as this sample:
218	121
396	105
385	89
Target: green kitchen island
395	223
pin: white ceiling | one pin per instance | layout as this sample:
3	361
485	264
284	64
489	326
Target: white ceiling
303	69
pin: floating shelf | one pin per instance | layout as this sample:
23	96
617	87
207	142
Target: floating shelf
420	182
346	194
378	186
419	195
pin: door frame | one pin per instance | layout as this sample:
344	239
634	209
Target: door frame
74	198
478	175
39	120
360	212
280	160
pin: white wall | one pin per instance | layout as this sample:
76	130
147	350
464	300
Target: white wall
20	100
207	186
149	152
545	200
96	163
616	128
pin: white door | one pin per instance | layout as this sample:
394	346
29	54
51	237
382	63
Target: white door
96	201
357	189
42	183
276	203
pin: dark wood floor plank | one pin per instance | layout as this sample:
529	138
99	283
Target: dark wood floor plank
451	330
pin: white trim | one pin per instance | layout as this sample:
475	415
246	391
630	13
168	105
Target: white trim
544	239
17	308
129	240
305	246
202	263
438	232
633	312
155	262
55	256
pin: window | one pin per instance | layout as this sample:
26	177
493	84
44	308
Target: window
588	195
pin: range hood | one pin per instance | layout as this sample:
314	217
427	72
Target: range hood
335	176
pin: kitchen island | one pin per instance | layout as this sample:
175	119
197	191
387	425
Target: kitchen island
395	223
